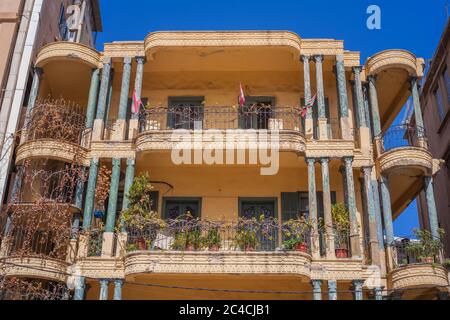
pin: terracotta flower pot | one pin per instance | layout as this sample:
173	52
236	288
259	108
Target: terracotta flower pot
142	244
190	247
341	253
301	247
214	248
249	248
427	260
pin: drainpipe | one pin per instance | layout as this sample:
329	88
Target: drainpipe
18	97
14	67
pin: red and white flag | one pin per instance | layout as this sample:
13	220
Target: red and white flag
136	105
309	105
241	96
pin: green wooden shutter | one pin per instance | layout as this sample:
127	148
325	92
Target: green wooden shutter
290	206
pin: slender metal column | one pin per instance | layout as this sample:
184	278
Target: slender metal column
359	97
332	290
317	289
354	233
92	102
320	88
113	192
327	208
117	289
372	219
378	217
104	289
357	287
307	79
374	105
417	109
387	211
104	88
90	194
431	206
342	86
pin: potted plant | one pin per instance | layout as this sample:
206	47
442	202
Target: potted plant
341	224
296	233
245	237
425	249
139	220
212	239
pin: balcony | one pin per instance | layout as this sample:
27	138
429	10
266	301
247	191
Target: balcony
413	269
156	125
54	130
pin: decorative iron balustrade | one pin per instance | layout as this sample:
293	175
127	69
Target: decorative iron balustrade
95	243
402	136
246	235
342	244
24	289
221	118
57	120
410	250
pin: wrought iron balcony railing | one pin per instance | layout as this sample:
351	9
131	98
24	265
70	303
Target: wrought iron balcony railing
410	250
221	118
195	235
402	136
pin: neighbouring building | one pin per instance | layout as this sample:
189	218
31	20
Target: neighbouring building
435	102
342	174
25	27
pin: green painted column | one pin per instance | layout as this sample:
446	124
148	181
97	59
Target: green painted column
387	211
109	95
320	89
358	289
113	192
129	178
33	94
312	190
417	109
330	247
367	108
317	289
117	289
354	233
125	89
378	217
307	80
332	290
374	105
78	204
378	293
92	102
342	86
138	81
431	206
90	194
104	289
359	97
80	284
104	88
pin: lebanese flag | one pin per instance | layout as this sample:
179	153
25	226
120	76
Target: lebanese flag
136	105
241	96
309	105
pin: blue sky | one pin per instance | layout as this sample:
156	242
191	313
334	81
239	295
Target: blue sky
415	25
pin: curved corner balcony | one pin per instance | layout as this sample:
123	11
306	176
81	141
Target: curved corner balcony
245	247
54	130
414	271
404	151
160	128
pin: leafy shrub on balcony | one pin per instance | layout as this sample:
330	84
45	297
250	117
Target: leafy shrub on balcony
341	224
426	249
296	233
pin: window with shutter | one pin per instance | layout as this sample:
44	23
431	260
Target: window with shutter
256	113
185	113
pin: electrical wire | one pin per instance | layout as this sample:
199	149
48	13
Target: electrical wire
220	290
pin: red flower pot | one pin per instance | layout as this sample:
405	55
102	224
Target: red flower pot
213	248
341	253
427	260
249	249
302	247
142	244
190	247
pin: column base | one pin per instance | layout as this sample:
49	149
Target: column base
309	129
364	140
355	245
98	130
133	129
86	138
345	129
122	240
83	246
323	129
331	249
119	130
108	244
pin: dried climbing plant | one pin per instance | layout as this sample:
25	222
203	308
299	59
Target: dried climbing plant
103	185
24	289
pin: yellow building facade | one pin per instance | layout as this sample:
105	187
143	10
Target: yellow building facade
336	152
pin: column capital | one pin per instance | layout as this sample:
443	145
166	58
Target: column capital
339	58
131	162
141	59
318	58
324	160
38	71
311	160
107	60
127	60
358	284
348	160
357	69
305	58
317	284
367	170
372	78
118	282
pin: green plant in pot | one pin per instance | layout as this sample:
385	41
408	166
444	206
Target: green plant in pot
341	225
212	240
296	233
246	234
188	233
139	219
426	249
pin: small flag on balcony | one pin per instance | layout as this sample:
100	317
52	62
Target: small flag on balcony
308	106
241	96
136	105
